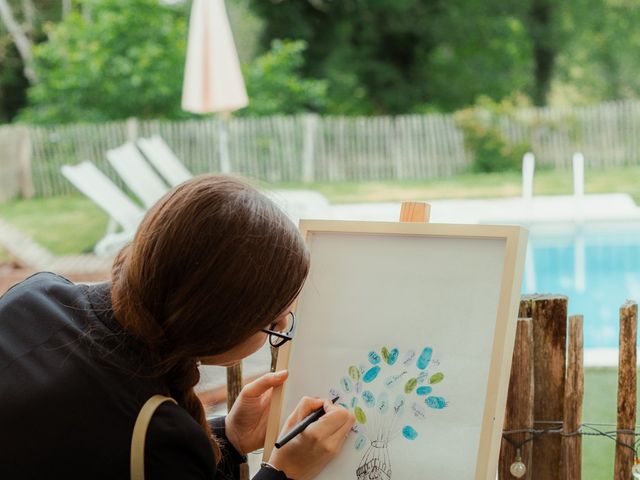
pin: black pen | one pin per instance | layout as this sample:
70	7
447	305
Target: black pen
304	423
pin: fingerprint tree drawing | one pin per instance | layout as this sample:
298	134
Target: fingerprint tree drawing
389	399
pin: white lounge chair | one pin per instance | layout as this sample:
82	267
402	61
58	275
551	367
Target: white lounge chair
164	160
87	178
137	173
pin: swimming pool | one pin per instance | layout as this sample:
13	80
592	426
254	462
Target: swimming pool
597	265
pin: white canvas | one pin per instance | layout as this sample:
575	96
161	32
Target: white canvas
365	292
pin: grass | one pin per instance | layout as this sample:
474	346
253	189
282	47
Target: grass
598	453
73	224
65	225
488	185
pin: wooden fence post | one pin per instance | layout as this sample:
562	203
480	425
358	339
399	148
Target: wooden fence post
549	317
626	389
310	123
24	162
573	395
519	413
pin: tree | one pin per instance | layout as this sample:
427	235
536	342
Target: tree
275	86
398	56
120	58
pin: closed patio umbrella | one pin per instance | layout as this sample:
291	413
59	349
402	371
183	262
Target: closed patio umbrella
213	81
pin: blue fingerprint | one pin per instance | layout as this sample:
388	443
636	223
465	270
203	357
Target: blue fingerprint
424	358
436	402
424	390
409	432
358	387
346	383
374	358
333	393
354	402
343	405
422	376
371	374
369	398
383	403
393	356
361	441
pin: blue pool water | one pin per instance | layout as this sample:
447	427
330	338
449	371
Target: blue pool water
596	265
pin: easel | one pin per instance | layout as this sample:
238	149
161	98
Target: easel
410	212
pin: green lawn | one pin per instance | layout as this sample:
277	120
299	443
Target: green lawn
65	225
600	385
72	224
489	185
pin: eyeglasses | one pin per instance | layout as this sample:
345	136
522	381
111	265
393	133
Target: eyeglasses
277	339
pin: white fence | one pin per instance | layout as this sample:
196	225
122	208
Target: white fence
309	148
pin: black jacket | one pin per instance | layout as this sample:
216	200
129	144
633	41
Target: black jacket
71	385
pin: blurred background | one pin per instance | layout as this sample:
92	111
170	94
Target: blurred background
494	111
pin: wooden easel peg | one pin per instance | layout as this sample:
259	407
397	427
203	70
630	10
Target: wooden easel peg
415	212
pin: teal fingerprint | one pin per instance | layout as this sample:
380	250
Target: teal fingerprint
354	402
424	358
371	374
424	390
374	358
361	442
393	356
369	398
436	402
346	383
409	432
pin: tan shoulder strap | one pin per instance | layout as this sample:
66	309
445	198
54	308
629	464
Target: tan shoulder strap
140	434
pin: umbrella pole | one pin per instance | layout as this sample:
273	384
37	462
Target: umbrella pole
223	130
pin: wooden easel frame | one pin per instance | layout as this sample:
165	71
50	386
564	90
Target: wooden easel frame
413	217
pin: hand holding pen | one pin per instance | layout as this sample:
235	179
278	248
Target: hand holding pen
304	456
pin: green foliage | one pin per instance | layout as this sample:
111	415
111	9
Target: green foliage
399	56
491	149
275	85
120	58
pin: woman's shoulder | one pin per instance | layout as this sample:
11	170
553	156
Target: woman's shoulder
38	284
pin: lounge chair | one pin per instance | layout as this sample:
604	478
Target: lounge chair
164	160
87	178
137	173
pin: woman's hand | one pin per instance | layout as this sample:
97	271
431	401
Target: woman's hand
246	423
308	453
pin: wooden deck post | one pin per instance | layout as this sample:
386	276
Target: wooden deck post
626	388
519	413
549	317
573	395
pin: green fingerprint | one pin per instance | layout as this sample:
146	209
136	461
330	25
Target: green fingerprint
385	354
436	378
360	416
410	385
354	372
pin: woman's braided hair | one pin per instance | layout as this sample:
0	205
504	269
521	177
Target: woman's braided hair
212	263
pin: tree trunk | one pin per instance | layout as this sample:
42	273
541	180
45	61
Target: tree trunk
544	48
20	38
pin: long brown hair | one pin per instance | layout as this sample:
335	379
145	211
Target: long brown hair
212	263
